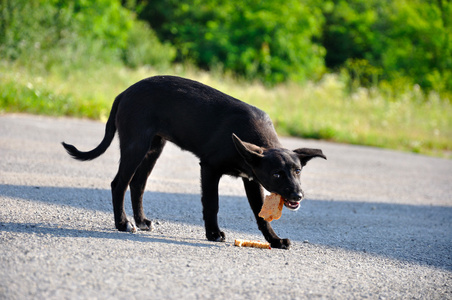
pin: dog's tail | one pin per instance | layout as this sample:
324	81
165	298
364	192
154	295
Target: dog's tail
110	130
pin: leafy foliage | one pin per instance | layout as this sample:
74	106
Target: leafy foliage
267	40
419	43
372	42
57	33
398	41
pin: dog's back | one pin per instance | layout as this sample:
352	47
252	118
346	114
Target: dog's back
194	116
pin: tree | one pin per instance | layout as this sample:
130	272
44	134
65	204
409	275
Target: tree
267	40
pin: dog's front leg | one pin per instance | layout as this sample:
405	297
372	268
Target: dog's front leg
209	185
255	195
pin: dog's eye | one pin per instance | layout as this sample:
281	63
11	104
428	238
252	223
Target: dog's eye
298	171
276	175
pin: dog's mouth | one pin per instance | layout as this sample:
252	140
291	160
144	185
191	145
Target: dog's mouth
291	204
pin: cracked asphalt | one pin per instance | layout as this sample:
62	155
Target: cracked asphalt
376	224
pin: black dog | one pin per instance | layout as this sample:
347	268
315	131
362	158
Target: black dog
208	123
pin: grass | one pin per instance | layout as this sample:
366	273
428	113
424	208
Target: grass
325	110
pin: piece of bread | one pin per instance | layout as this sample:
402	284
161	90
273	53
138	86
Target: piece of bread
255	244
272	208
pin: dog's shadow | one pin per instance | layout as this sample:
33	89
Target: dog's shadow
413	233
59	231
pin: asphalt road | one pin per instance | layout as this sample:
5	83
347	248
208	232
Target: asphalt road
376	224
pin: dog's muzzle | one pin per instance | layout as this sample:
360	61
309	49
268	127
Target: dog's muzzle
293	202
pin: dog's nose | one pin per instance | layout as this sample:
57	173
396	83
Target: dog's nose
296	196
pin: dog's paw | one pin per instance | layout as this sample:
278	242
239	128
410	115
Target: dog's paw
280	243
131	228
146	225
216	236
127	227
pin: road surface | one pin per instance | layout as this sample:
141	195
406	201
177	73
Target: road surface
376	224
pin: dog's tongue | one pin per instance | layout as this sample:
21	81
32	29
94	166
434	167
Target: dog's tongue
291	205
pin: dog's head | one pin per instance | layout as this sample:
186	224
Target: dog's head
278	169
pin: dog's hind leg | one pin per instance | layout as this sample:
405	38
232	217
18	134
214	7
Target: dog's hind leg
209	185
138	183
255	195
131	157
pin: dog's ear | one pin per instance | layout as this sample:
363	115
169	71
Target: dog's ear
306	154
250	152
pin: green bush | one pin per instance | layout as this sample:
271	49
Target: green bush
419	43
391	41
267	40
348	32
144	48
67	34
